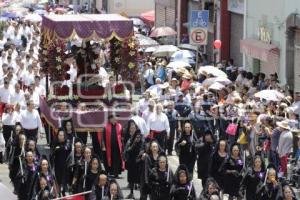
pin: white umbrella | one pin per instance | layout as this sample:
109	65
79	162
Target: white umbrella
33	18
165	50
137	21
145	41
216	86
269	95
183	54
295	108
212	71
178	64
222	80
150	49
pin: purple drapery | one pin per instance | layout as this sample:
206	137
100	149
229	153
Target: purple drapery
104	25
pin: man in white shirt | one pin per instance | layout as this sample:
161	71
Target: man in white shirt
140	122
5	92
158	124
31	121
17	96
147	112
9	119
38	88
148	74
144	102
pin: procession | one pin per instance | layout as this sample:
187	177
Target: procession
99	105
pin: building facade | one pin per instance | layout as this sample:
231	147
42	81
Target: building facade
132	8
272	40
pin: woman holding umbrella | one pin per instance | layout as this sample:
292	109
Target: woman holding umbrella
269	188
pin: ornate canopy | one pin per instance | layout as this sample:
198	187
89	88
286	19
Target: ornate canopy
86	26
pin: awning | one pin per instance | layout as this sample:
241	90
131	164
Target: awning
259	50
149	17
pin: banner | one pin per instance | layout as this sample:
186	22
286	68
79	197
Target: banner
199	22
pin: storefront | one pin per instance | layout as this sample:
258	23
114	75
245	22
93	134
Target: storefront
266	57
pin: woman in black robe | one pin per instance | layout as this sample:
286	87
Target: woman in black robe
161	179
149	160
44	192
93	172
286	192
100	188
59	155
210	188
131	152
45	171
18	150
270	189
232	170
129	132
217	160
26	178
115	192
185	148
70	133
81	171
204	150
73	160
31	146
253	177
183	187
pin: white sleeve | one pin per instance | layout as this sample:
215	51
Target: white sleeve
167	125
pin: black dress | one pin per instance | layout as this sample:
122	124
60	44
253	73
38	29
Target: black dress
131	153
250	182
116	160
215	168
160	182
26	182
59	156
267	192
79	175
204	151
233	180
98	193
90	180
187	153
182	192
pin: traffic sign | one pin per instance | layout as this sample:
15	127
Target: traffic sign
199	22
198	36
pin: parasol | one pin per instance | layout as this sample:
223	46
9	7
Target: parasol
184	55
212	71
216	86
269	95
149	17
33	18
162	31
222	80
145	41
150	49
165	51
178	64
137	21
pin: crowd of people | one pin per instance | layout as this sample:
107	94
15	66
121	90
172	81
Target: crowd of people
238	144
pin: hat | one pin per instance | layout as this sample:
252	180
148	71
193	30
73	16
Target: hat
187	76
174	79
283	124
165	85
180	94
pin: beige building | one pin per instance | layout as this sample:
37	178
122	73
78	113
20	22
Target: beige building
130	7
